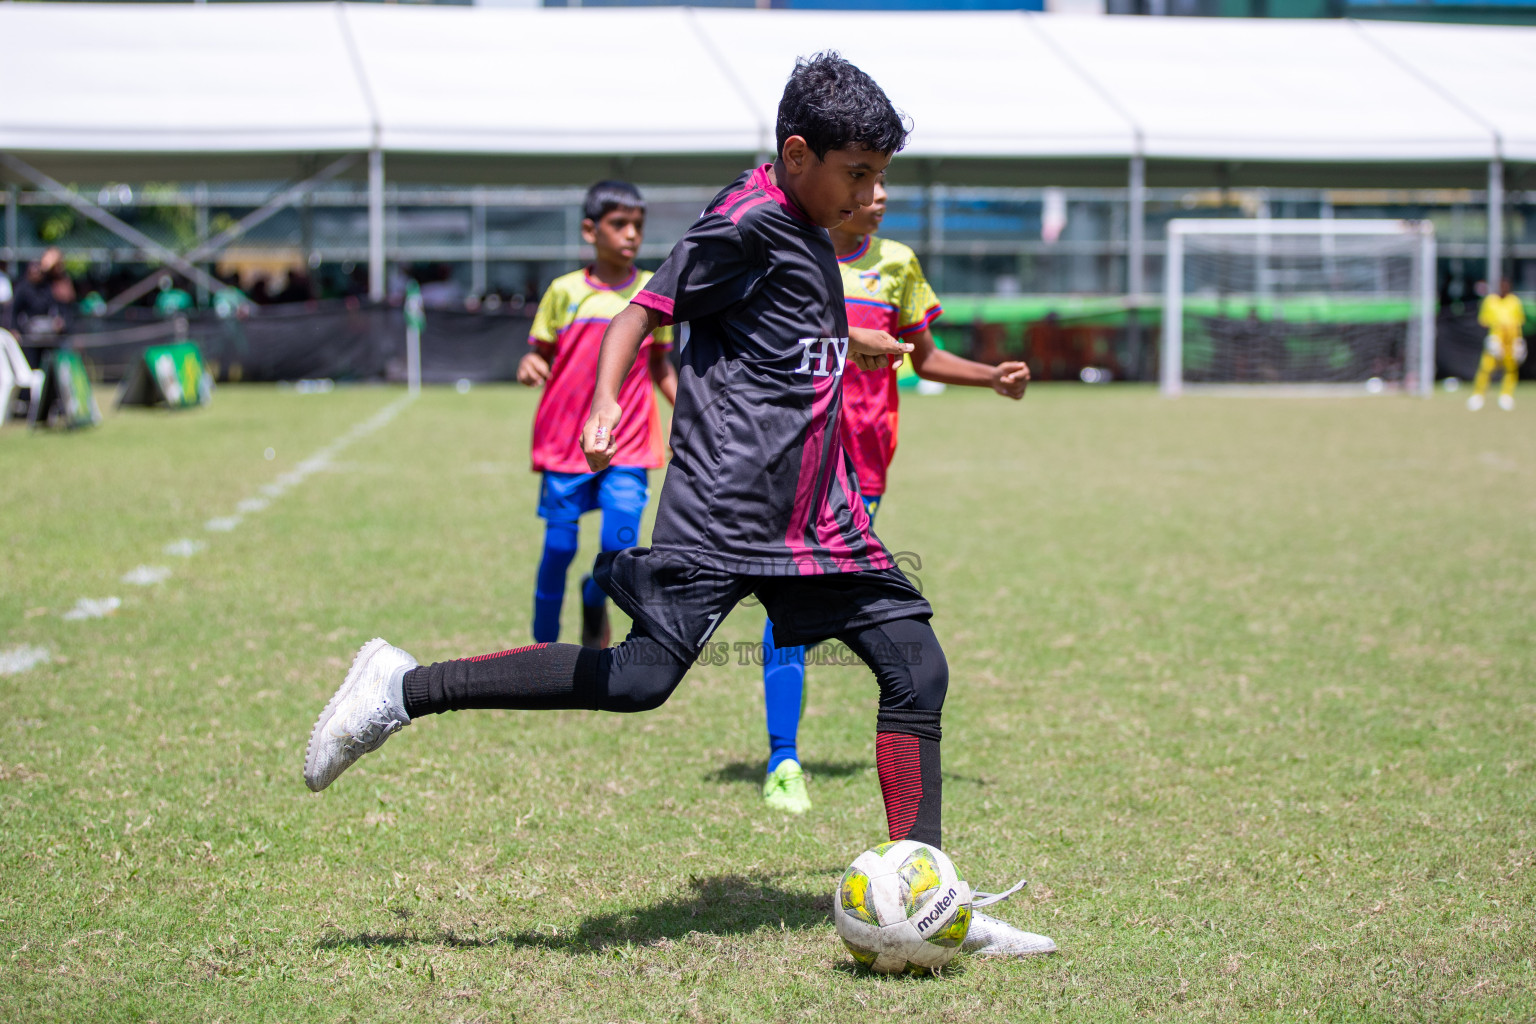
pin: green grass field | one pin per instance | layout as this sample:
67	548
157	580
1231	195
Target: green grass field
1244	687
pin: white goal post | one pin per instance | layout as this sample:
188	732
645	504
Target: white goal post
1304	305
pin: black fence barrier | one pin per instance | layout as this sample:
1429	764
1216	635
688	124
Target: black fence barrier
1062	348
1458	344
343	340
347	340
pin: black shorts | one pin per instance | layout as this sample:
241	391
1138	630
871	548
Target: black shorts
680	605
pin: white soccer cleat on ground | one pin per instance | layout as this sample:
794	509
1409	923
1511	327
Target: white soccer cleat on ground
1475	403
1507	403
369	707
990	937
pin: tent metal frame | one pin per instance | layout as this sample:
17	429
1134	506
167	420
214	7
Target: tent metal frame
289	196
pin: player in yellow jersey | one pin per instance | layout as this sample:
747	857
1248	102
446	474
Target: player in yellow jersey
1504	317
885	291
562	358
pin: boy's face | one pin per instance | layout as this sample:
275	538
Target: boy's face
617	236
867	220
831	190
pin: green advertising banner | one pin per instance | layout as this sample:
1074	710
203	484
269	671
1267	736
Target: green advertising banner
175	375
68	400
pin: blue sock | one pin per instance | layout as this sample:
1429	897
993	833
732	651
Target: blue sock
621	529
549	591
784	695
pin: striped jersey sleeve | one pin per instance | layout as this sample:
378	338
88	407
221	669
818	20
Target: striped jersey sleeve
553	316
708	271
918	305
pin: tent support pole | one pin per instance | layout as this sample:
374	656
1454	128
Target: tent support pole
934	229
201	192
376	224
284	199
1495	223
1135	255
477	282
147	245
12	232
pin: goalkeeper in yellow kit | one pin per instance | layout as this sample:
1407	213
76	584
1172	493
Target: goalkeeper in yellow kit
1504	317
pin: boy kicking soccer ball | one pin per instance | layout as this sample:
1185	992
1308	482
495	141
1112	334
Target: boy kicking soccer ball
757	499
567	333
885	291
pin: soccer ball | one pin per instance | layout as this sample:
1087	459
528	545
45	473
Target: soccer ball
902	907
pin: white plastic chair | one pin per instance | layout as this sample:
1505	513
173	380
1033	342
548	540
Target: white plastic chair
17	374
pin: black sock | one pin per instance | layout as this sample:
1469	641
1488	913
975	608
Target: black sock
535	678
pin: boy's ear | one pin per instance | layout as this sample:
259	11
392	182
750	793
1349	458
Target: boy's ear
589	230
796	154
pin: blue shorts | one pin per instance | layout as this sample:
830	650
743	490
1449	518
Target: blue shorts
564	497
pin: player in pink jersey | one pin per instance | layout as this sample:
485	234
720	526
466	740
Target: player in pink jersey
567	333
886	293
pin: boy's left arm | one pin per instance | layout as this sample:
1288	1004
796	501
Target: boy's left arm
919	307
933	363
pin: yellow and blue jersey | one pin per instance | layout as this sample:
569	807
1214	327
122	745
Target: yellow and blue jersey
884	289
569	326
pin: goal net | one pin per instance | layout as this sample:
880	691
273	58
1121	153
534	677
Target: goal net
1299	305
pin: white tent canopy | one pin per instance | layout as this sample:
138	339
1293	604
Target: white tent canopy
115	78
240	88
208	92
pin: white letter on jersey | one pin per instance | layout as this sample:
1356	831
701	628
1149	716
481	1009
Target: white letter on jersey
825	350
840	346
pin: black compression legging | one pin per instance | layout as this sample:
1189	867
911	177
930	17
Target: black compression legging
640	674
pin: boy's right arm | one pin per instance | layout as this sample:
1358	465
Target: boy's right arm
621	343
533	368
548	322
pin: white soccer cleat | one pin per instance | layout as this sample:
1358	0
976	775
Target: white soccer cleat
990	937
1475	403
1507	403
369	707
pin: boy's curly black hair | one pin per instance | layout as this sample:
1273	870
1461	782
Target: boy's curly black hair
833	105
607	196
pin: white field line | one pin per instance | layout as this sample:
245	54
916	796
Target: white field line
147	575
320	460
93	608
15	660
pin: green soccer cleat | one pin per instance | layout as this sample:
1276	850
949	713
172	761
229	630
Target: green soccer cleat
784	789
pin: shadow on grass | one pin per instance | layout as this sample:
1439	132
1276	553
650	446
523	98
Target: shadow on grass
721	905
853	972
752	771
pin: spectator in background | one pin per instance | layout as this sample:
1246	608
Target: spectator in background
37	311
298	289
439	290
59	282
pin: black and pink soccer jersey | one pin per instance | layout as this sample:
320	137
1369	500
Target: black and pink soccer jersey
759	483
